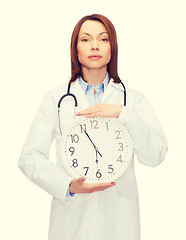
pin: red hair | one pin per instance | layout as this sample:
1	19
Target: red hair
112	65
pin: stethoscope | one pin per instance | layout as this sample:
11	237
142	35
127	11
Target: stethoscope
76	103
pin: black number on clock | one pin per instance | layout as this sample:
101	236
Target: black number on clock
83	127
120	146
75	163
74	138
94	124
110	168
107	125
87	168
118	134
120	159
72	150
98	174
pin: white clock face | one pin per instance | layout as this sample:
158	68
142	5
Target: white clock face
98	148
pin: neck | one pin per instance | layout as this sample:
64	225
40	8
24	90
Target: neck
94	76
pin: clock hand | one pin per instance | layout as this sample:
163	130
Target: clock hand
97	157
95	148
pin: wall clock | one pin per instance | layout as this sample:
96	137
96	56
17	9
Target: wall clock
98	148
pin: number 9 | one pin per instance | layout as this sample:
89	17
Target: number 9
72	150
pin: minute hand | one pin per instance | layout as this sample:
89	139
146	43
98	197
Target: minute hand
92	143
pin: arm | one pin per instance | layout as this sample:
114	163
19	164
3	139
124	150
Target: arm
102	110
34	159
149	141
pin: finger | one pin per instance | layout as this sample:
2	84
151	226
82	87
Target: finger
100	189
84	112
88	111
106	185
95	114
101	186
81	180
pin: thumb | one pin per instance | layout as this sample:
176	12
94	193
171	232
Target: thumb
81	180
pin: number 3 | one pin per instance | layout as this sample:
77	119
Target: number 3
120	147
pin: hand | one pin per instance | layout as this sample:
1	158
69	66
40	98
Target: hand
101	110
78	186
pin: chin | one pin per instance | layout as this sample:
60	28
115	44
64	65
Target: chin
95	65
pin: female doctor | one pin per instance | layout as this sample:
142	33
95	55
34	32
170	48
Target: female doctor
80	210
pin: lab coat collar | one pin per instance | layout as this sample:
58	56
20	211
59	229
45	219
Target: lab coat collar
110	88
116	85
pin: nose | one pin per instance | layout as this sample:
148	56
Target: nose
94	45
94	48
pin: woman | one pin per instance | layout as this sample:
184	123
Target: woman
103	211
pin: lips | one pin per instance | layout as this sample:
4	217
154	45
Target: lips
94	57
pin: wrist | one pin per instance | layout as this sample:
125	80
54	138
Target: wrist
119	110
70	192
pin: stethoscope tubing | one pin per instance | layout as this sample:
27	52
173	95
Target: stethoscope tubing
66	95
76	103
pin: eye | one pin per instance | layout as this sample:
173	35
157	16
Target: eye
104	39
85	40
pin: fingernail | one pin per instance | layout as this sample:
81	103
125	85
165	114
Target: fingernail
113	184
83	179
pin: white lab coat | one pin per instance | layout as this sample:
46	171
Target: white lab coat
112	214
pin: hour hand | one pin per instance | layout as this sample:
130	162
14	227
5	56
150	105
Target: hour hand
97	157
95	148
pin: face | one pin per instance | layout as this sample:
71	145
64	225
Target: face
93	46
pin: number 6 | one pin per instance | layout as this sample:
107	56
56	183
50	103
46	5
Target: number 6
98	174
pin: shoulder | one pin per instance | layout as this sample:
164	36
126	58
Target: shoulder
55	93
134	93
131	93
137	100
61	89
51	98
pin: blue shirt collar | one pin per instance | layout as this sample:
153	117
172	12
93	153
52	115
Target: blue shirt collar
84	85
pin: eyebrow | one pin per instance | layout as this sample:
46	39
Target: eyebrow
90	34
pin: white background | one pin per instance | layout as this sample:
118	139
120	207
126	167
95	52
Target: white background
35	57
